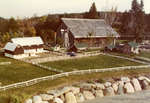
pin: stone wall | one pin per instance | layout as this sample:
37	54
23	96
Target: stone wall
90	90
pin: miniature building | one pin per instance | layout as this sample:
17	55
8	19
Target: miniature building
23	47
85	32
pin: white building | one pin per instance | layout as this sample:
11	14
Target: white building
23	47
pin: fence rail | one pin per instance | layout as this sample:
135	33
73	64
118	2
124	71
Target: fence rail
80	72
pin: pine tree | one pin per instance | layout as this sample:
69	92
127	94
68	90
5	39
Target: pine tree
92	14
137	19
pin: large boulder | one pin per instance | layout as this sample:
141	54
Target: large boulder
79	97
125	79
128	88
145	84
115	86
28	101
44	102
62	97
109	91
120	88
55	93
87	86
99	86
75	90
144	78
136	84
57	100
107	84
37	99
66	89
46	97
70	98
88	95
99	93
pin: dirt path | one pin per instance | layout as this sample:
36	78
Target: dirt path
139	97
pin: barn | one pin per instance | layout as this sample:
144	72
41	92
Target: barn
23	47
85	32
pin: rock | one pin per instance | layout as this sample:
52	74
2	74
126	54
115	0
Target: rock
99	86
107	84
44	102
144	78
109	91
37	99
120	83
120	89
28	101
125	79
75	90
99	93
62	97
70	98
87	86
57	100
46	97
79	97
115	86
66	89
88	95
136	84
57	93
144	84
128	88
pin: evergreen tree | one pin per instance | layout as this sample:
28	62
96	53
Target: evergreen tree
92	14
137	19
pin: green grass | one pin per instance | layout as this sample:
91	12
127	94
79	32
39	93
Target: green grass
42	87
19	71
145	54
93	62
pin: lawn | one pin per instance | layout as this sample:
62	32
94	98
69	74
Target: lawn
19	71
93	62
145	54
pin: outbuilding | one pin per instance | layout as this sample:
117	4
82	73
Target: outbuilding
20	48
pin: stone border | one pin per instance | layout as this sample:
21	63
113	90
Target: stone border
88	91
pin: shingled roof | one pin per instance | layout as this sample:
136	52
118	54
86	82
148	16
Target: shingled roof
27	41
81	28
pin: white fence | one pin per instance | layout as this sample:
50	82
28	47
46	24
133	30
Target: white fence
5	63
52	77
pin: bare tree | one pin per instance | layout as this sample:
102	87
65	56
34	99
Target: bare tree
111	16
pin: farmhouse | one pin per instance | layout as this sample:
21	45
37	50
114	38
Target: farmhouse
23	47
85	32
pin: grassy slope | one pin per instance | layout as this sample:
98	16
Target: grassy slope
19	71
46	85
94	62
145	54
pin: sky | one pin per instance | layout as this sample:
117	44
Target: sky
28	8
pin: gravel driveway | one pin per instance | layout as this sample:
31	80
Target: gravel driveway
139	97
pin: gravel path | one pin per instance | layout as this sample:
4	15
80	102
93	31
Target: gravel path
139	97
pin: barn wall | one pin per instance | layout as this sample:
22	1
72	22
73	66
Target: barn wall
93	42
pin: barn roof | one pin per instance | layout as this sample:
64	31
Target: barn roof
82	27
27	41
10	46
